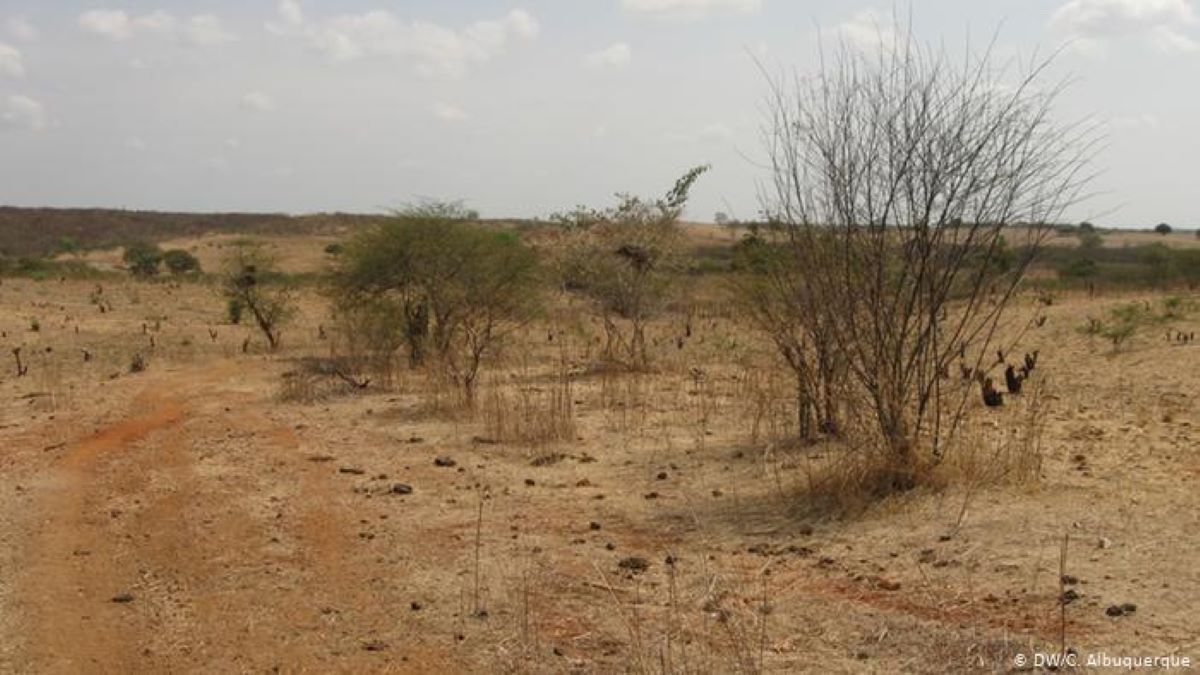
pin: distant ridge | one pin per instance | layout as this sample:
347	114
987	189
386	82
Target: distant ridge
30	232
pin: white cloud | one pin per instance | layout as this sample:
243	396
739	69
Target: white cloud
257	101
206	29
689	8
290	12
136	144
618	55
1091	24
117	24
450	113
22	112
11	61
1142	121
708	134
21	29
867	30
433	48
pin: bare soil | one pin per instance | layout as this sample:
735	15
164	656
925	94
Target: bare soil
189	518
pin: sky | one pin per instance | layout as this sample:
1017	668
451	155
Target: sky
527	107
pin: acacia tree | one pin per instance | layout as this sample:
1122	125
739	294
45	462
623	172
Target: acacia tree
897	175
251	281
457	288
626	260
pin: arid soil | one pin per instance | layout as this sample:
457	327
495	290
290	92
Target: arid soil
193	517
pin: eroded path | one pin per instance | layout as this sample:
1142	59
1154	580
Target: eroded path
196	532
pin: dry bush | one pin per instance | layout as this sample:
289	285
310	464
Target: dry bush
626	260
897	177
530	414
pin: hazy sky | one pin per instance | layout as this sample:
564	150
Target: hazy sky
521	108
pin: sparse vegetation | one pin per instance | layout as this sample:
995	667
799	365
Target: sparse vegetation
251	283
453	289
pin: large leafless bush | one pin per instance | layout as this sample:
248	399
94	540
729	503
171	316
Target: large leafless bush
913	189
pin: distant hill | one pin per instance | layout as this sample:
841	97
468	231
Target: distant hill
33	232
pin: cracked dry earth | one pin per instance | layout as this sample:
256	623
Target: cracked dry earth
185	519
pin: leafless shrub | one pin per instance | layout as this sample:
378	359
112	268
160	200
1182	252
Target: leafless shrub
626	260
897	177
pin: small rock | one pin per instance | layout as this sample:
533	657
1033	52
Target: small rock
634	564
122	598
530	482
374	646
593	525
926	556
352	470
1104	542
1070	595
401	489
662	475
1114	610
1129	608
444	461
415	606
1069	580
651	495
887	584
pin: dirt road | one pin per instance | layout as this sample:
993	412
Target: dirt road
166	541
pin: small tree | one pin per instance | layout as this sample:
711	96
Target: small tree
1163	229
457	288
251	281
142	259
181	262
897	174
626	260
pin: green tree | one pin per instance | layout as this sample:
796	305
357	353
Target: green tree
251	281
457	288
142	259
179	261
1163	229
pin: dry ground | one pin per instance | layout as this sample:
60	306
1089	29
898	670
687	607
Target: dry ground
189	518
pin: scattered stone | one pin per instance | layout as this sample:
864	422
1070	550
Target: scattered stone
444	461
1070	595
1128	608
593	526
1069	580
662	475
1114	610
530	482
610	546
584	483
122	598
320	458
945	537
806	530
926	556
374	646
1104	542
634	564
651	495
415	439
887	584
401	489
484	440
717	493
415	606
352	470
